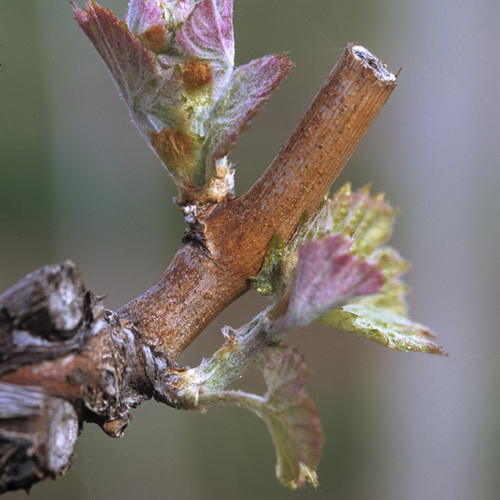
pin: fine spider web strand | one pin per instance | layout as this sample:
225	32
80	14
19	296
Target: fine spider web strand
315	28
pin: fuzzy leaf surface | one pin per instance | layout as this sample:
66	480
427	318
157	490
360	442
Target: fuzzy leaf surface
382	326
291	418
248	89
327	275
207	35
151	91
143	15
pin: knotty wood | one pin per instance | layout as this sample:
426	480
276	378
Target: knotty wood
64	359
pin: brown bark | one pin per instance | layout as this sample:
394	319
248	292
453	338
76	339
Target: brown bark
62	362
197	285
64	359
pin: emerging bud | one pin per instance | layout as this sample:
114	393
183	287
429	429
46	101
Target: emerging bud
173	64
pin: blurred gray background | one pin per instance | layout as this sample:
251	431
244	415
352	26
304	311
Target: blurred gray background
77	181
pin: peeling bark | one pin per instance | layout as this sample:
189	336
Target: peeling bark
63	362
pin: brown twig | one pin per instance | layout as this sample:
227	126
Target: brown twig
199	284
62	362
65	360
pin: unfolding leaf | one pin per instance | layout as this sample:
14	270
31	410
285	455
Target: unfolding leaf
291	418
146	14
152	91
173	63
381	317
327	275
143	15
345	279
207	35
249	88
368	219
382	326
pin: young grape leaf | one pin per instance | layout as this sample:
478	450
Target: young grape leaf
327	275
144	15
291	418
382	326
248	89
173	64
380	316
151	91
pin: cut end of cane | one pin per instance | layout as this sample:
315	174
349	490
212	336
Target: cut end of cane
373	62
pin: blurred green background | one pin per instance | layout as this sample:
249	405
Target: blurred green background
78	182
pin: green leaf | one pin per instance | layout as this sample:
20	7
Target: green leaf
381	317
382	326
368	219
291	418
392	294
269	281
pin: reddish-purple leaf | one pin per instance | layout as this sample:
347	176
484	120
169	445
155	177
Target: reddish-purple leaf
291	418
249	88
327	275
208	31
151	91
207	35
143	15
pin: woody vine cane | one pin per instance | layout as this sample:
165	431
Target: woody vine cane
66	359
